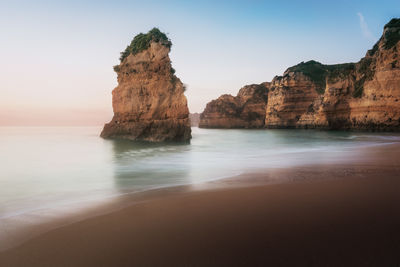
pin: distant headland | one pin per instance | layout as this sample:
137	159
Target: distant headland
352	96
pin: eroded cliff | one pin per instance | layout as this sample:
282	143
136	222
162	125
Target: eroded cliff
149	102
246	110
360	96
363	95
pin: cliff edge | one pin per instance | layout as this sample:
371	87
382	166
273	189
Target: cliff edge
351	96
359	96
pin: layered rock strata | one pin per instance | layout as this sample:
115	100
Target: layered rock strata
149	102
360	96
354	96
246	110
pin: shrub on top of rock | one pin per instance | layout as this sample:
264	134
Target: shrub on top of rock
142	42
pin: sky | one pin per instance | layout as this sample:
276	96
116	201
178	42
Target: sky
57	56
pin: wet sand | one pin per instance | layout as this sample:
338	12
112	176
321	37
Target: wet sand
330	215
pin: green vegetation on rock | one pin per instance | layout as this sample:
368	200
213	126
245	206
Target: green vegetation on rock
313	70
339	70
390	38
392	33
318	73
142	42
394	22
116	68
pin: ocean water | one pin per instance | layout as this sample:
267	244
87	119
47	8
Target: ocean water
46	168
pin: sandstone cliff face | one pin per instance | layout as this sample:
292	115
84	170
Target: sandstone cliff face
246	110
363	95
290	96
359	96
149	102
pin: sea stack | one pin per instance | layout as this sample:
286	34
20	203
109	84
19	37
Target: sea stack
149	102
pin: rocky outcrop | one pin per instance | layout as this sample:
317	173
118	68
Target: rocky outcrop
194	119
361	96
358	96
246	110
149	102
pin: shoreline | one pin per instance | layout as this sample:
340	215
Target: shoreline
374	181
255	224
44	221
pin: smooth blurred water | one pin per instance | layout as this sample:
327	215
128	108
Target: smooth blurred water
44	168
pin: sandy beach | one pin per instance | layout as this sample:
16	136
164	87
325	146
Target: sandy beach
331	215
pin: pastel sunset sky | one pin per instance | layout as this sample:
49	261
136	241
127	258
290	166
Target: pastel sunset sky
57	56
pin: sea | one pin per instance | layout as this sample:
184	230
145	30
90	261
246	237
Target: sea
51	170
